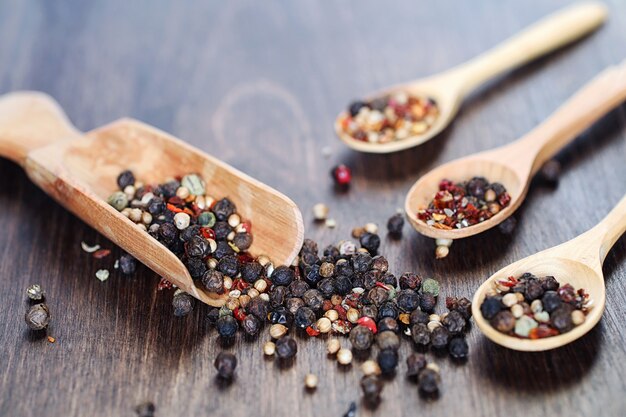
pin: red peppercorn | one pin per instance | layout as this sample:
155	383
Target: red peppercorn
247	226
239	314
342	174
164	285
369	323
208	233
312	332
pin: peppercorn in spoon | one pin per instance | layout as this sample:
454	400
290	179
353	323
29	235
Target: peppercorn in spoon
514	165
408	115
80	170
577	262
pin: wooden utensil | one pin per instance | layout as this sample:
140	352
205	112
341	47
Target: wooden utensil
577	262
451	87
515	164
80	171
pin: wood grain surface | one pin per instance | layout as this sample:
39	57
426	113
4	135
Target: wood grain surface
258	84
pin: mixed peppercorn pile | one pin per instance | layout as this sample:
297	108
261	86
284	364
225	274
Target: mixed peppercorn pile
458	205
534	308
389	118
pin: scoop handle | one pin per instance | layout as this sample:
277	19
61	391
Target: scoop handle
610	229
30	120
549	34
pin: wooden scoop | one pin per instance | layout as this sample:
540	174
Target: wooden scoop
451	87
577	262
80	171
515	164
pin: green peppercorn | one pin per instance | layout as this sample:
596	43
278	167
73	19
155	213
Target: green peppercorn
119	200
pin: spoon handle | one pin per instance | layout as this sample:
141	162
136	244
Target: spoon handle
599	96
31	120
548	34
605	234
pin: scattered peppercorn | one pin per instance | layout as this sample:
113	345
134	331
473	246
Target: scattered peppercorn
387	360
286	348
372	387
38	317
342	175
414	364
35	292
395	225
458	348
429	380
226	326
390	118
225	363
146	409
551	171
182	303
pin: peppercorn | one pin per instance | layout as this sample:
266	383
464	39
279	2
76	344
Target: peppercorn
125	179
225	363
410	280
370	241
356	106
361	338
213	281
229	265
380	263
293	304
550	172
242	241
534	290
420	334
458	348
561	318
454	322
286	347
408	300
427	302
118	200
344	356
414	364
342	285
182	303
395	225
387	340
223	249
226	326
282	275
312	276
378	295
221	230
491	306
280	315
223	209
508	226
313	299
504	321
388	324
440	337
551	301
430	286
361	262
462	305
258	307
38	317
146	409
372	387
251	325
418	317
387	360
342	175
369	311
35	292
429	380
304	317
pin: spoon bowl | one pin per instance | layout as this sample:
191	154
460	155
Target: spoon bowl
515	164
450	88
577	262
80	171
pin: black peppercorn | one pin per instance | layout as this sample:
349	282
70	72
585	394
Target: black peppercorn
420	334
561	318
342	267
128	264
258	307
304	317
491	306
410	280
331	251
223	249
251	271
440	337
550	172
197	247
308	259
370	241
387	361
229	265
387	309
286	347
387	340
168	232
213	315
342	285
277	295
361	262
297	288
282	275
371	311
380	263
377	295
38	317
388	324
534	290
428	381
477	187
294	304
361	338
458	348
372	387
414	364
156	206
395	225
183	304
226	326
549	283
309	246
243	241
356	106
418	317
223	209
428	302
280	315
251	325
408	300
222	230
462	305
454	322
314	299
551	301
213	281
504	321
312	276
196	267
225	363
125	179
508	226
390	279
146	409
370	278
187	234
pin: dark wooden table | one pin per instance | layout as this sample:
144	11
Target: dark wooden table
258	84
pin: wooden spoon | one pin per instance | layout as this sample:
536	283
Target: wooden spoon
515	164
577	262
450	88
80	171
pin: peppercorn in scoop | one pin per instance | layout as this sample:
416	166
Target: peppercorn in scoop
464	204
531	307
